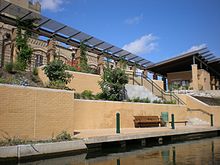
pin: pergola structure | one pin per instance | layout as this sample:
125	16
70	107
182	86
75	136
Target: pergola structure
201	58
68	35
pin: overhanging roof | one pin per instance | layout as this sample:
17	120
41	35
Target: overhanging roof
184	61
66	34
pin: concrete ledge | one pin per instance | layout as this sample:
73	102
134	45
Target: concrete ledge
41	149
8	152
124	137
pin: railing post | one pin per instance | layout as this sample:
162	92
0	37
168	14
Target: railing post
133	78
211	120
117	122
141	80
152	87
172	121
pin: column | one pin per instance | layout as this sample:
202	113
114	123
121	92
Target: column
145	73
77	56
155	77
14	49
217	84
51	50
100	61
164	83
134	69
195	83
213	83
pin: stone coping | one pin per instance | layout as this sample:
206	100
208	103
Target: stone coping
30	150
126	102
35	88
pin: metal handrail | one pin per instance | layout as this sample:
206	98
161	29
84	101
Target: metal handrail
145	77
200	110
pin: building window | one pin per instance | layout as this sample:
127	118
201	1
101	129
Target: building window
38	60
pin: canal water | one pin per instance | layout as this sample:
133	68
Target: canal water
198	152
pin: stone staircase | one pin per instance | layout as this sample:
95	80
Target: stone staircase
153	88
137	91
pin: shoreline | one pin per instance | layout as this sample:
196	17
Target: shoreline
31	152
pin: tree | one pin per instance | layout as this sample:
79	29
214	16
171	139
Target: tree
24	50
113	84
83	59
55	71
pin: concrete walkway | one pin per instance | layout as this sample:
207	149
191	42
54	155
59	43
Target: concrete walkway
108	135
127	131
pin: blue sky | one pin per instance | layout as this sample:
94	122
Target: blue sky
153	29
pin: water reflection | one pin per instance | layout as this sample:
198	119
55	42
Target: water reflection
199	152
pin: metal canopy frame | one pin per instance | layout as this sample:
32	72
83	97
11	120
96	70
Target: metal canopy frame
203	57
66	34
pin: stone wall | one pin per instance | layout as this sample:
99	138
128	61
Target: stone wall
35	113
39	113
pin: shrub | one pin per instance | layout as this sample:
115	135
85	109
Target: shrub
2	80
157	102
170	102
58	85
113	84
63	136
98	96
9	67
138	99
77	95
19	66
71	68
146	100
35	72
55	71
87	94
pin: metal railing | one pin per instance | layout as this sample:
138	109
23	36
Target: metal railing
205	112
154	88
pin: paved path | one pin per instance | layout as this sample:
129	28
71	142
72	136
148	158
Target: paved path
107	135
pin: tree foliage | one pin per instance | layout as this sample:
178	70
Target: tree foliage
113	84
23	33
83	58
55	71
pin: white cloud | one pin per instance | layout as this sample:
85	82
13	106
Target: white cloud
142	45
52	5
134	20
196	47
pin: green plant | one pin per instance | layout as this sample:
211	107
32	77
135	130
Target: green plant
55	71
63	136
35	72
58	85
113	84
2	80
87	94
157	102
138	99
83	59
71	68
23	34
19	66
146	100
98	96
9	67
170	102
77	95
